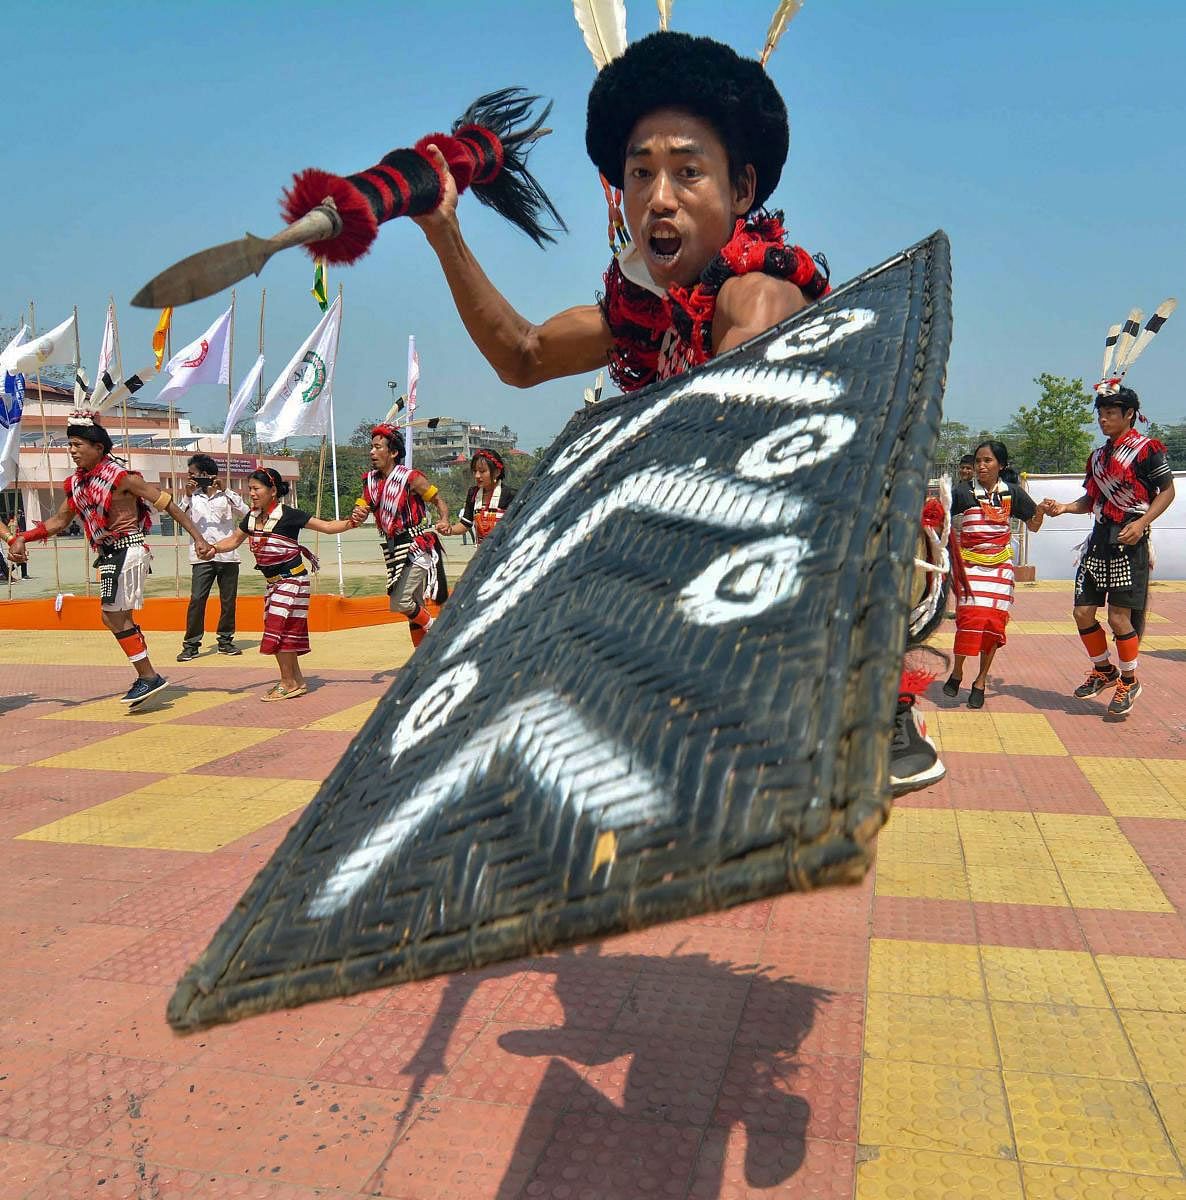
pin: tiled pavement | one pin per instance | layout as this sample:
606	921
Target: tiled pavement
1000	1012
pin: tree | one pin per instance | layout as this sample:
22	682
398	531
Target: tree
1174	437
361	436
954	441
1054	435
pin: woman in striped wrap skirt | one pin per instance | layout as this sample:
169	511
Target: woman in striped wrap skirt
986	507
271	529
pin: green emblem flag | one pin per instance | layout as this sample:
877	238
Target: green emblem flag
298	403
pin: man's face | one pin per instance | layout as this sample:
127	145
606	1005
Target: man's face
85	454
679	203
381	457
966	472
1112	419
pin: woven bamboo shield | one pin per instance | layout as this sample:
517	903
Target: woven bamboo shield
665	686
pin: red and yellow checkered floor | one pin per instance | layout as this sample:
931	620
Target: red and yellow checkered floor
999	1012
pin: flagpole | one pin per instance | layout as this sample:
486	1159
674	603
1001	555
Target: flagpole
413	386
45	439
86	573
119	362
317	506
172	469
333	441
230	385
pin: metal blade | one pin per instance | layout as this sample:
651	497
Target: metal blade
205	273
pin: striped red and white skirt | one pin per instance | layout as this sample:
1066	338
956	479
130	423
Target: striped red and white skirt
981	615
286	615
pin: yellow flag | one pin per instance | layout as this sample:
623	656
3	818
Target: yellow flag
159	335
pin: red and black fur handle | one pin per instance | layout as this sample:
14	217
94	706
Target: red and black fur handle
486	152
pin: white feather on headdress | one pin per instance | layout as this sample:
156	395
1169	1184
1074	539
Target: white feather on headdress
603	24
784	14
1162	314
1128	335
664	13
1109	350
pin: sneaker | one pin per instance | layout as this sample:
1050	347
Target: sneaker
1123	698
142	689
1096	682
188	653
914	761
228	648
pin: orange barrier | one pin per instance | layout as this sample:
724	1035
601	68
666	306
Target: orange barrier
166	614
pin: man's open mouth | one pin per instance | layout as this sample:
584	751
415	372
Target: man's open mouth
665	248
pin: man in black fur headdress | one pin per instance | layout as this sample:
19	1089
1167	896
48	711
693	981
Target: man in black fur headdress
694	138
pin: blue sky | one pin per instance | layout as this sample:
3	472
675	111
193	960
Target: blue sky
1045	138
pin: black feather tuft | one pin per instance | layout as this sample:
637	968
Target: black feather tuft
514	193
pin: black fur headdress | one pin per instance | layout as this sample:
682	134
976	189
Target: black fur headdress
706	77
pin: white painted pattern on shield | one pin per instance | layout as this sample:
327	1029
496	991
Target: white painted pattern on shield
534	550
804	442
745	385
745	582
819	335
434	706
580	768
714	498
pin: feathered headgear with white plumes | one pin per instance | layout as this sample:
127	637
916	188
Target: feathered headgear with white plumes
603	24
1126	343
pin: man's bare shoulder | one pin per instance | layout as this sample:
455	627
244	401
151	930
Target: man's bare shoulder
750	304
743	294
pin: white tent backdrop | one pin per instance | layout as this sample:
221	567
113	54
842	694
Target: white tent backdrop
1052	548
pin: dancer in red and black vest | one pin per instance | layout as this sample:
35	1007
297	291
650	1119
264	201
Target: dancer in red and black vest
399	497
488	500
1127	486
271	530
115	507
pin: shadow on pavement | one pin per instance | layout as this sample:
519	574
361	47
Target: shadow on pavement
710	1044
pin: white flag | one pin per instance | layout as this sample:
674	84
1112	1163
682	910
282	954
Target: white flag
107	361
413	383
298	402
205	360
243	396
12	392
53	349
9	354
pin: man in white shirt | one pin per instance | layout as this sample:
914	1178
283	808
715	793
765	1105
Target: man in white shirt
215	512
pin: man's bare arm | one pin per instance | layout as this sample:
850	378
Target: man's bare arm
1052	508
572	342
750	304
136	486
52	526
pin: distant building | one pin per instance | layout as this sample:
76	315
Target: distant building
147	447
454	440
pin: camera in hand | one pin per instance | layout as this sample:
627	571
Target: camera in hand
205	480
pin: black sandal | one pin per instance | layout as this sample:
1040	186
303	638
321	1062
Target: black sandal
976	697
952	686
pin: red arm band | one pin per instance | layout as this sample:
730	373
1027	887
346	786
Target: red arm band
38	533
